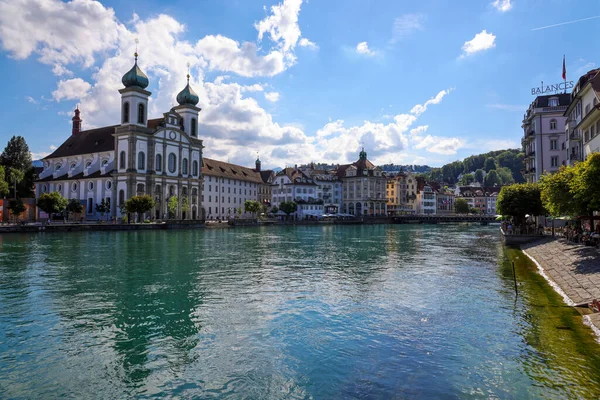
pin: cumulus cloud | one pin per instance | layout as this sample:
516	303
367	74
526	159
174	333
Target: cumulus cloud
272	96
421	108
406	24
363	48
304	42
282	24
482	41
502	5
71	89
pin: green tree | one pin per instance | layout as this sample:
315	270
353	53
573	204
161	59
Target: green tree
102	208
185	205
172	205
274	209
467	179
489	164
479	175
16	156
52	203
252	206
505	175
288	207
519	200
16	208
461	206
140	205
556	193
3	183
74	207
585	185
15	176
492	179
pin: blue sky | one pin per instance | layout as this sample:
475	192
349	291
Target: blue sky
424	82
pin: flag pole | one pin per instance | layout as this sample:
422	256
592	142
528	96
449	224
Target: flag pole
565	73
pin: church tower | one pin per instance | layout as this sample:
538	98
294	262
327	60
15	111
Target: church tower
134	97
187	100
76	122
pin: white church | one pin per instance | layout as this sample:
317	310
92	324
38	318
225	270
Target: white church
161	157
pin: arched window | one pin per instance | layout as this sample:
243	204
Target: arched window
553	124
158	163
194	129
184	166
122	160
121	197
73	165
88	164
104	163
59	187
125	112
172	162
141	160
195	168
141	113
90	185
44	189
171	190
140	188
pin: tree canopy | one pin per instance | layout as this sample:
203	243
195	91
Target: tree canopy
3	182
139	204
16	207
74	207
519	200
52	203
252	206
461	206
172	205
16	160
288	207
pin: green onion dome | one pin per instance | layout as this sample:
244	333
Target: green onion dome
187	96
135	77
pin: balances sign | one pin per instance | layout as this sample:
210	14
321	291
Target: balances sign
559	87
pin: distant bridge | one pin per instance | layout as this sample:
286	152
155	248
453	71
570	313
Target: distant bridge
441	218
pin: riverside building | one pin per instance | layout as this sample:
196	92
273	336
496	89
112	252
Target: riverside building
582	128
160	157
544	136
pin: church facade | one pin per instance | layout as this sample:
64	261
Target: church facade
160	157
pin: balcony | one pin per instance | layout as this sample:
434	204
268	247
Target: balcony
574	157
531	153
574	136
531	132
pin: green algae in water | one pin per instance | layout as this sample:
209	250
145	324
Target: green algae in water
563	355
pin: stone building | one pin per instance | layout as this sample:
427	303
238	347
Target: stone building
160	157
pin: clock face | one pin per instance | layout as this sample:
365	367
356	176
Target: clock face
172	135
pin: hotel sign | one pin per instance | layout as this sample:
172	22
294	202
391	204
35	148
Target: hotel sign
557	88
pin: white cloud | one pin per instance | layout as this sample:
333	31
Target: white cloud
41	154
71	89
406	24
304	42
31	100
282	24
272	96
434	144
252	88
502	5
363	48
482	41
421	108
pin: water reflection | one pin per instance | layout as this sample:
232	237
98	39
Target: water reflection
284	312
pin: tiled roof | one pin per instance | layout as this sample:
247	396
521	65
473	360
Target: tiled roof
86	142
226	170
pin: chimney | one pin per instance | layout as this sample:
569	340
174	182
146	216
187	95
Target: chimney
76	122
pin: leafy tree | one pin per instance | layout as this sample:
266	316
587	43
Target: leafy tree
519	200
16	208
461	206
74	207
102	208
52	203
172	205
585	185
492	179
556	193
505	175
274	209
140	204
15	176
288	207
252	206
479	175
3	182
467	179
185	205
489	164
16	154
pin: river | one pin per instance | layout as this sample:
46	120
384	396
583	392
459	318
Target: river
323	312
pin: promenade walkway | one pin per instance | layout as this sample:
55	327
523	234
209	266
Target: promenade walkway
573	268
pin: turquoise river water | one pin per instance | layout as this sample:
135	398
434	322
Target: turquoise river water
324	312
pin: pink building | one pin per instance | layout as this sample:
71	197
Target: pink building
544	135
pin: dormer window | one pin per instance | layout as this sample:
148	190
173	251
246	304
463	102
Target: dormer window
73	165
88	164
553	102
104	163
58	167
